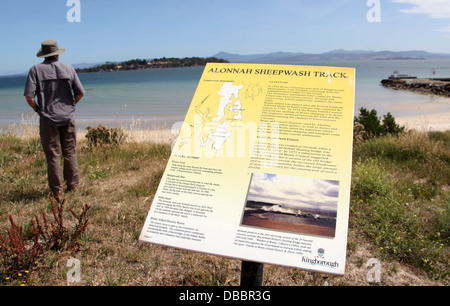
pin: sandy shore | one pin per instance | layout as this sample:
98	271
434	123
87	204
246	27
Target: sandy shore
289	226
156	136
437	120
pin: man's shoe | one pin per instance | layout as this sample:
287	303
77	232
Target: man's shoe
68	189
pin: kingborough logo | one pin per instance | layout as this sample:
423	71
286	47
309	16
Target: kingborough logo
318	260
320	252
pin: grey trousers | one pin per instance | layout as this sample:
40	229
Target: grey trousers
57	139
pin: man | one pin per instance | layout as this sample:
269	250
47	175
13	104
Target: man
58	90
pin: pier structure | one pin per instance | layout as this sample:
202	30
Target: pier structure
435	86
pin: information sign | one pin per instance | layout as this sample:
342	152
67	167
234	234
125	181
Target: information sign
261	168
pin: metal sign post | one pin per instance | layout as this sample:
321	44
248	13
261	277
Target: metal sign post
251	274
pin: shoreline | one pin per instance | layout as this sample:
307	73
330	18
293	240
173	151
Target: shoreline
436	118
437	121
434	121
426	123
425	116
309	229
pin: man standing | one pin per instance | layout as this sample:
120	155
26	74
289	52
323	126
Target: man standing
58	90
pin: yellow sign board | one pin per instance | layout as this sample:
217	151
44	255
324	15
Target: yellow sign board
261	168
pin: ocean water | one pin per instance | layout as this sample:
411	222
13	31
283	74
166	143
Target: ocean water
154	98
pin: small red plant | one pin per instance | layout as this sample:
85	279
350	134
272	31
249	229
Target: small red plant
54	233
19	253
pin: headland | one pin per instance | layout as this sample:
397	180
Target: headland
141	64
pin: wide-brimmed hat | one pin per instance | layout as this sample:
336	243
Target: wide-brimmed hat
49	48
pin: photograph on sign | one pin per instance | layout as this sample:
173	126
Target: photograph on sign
293	204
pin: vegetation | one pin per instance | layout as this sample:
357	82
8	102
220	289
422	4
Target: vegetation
139	64
399	215
101	135
400	198
400	191
21	249
373	127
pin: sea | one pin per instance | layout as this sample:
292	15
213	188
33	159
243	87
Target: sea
159	98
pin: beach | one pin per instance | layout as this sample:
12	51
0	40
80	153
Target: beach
437	120
259	220
431	110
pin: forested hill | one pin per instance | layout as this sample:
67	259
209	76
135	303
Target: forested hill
139	64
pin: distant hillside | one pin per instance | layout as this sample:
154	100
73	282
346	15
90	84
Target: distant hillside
284	57
140	64
276	57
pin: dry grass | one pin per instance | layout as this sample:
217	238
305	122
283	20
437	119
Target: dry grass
119	183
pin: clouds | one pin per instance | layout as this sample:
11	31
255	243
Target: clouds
294	192
435	9
432	8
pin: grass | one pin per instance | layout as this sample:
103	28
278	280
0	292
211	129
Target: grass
399	214
401	200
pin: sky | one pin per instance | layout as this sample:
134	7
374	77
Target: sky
97	31
294	192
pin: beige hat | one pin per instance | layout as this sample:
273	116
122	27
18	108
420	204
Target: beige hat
49	48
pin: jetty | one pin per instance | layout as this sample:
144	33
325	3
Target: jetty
434	86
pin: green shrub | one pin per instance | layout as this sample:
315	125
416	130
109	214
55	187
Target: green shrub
373	127
389	126
101	135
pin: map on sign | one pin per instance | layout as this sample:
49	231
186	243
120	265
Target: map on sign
228	109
